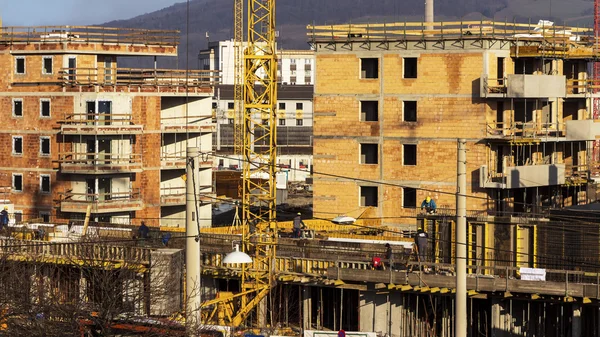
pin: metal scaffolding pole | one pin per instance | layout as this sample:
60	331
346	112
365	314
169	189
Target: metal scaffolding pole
461	241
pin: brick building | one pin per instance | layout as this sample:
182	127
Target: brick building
80	130
391	101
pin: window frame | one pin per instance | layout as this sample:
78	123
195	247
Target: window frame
404	67
360	196
15	100
299	106
360	75
361	111
49	191
230	105
404	159
281	122
14	153
14	187
404	192
44	58
42	101
42	215
416	119
42	139
18	214
282	106
17	58
299	122
364	162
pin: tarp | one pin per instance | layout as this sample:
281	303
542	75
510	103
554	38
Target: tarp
532	274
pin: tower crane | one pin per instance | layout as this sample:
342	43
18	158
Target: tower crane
596	78
259	101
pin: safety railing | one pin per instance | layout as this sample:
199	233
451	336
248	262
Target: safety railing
494	85
172	195
97	119
582	86
75	252
449	30
139	77
99	161
525	130
88	34
100	202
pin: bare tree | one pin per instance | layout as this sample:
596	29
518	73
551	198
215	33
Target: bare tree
90	288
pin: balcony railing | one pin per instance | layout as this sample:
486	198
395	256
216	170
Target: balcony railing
183	124
172	196
101	202
139	77
524	130
88	34
177	160
99	123
90	162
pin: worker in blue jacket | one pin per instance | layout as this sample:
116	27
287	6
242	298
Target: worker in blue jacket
429	205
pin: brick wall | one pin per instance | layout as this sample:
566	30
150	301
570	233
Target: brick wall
446	110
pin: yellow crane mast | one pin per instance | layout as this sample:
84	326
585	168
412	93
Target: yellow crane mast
259	227
260	149
238	76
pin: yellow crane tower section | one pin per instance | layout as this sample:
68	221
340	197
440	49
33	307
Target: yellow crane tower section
259	149
238	76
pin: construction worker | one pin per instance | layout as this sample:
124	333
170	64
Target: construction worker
4	217
143	231
298	226
421	239
428	205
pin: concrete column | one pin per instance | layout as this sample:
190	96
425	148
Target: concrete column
306	308
192	247
367	311
394	319
501	319
262	313
576	323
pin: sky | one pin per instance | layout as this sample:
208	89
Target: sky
74	12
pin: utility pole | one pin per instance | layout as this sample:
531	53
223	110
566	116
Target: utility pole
461	241
192	241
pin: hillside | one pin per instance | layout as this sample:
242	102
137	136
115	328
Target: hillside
215	17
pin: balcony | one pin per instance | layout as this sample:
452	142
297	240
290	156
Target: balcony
99	124
183	124
524	86
172	196
99	163
169	79
178	160
101	202
583	130
525	131
523	176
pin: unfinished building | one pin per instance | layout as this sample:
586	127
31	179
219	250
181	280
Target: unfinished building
84	131
390	102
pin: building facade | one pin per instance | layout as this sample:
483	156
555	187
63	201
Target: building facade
389	110
294	113
85	135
